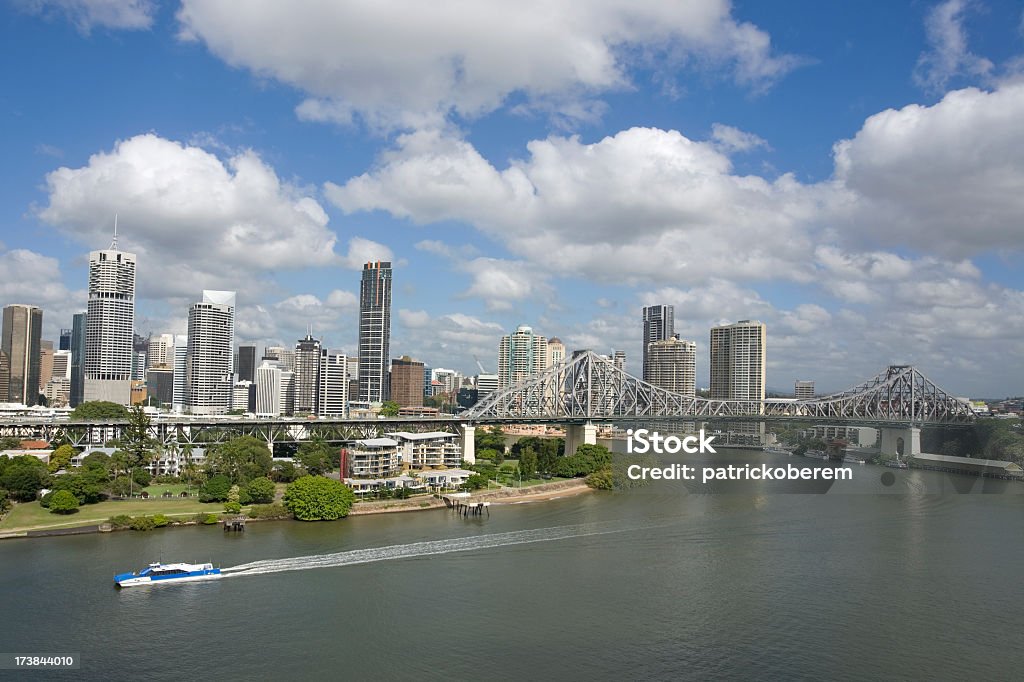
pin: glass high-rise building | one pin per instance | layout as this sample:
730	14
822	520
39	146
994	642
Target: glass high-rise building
110	325
374	331
307	374
246	367
20	345
78	324
738	359
659	325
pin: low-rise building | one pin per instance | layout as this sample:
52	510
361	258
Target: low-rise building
372	458
444	478
432	449
862	436
368	486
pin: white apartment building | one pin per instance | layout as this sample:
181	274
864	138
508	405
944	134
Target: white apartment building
433	449
373	458
209	361
110	325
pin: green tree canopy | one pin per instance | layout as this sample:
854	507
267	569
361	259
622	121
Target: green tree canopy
527	462
95	410
216	489
316	456
10	443
260	490
492	438
23	477
315	498
389	408
240	459
135	440
63	502
61	458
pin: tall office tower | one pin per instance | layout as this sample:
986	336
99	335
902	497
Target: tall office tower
353	378
178	386
65	340
285	356
45	363
20	345
374	331
407	382
139	364
110	325
672	365
61	365
209	371
160	351
486	384
803	390
240	395
287	393
78	325
334	384
659	325
619	360
268	389
521	354
738	361
246	368
556	352
428	379
160	385
307	374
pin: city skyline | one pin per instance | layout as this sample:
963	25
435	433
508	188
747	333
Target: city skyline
850	180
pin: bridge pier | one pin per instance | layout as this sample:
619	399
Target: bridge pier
468	443
579	434
902	441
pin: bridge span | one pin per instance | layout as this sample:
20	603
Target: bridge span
579	394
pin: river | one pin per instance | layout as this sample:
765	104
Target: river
907	580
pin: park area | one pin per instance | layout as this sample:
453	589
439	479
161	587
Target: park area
27	516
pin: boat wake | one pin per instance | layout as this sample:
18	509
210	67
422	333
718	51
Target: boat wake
417	549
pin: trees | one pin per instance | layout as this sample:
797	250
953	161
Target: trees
216	489
315	498
135	440
63	502
286	472
492	439
587	460
10	443
61	458
260	491
240	459
476	482
389	408
23	477
97	410
316	456
527	463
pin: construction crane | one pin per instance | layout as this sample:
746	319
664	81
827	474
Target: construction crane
480	365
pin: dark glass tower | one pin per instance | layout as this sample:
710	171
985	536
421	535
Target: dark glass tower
659	325
374	331
246	366
77	358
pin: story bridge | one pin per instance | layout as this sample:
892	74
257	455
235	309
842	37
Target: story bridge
579	394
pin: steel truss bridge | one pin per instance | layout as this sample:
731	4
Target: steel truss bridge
586	389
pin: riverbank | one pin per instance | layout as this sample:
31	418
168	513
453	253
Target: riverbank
24	519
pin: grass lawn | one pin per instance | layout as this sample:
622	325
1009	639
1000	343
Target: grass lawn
30	516
158	489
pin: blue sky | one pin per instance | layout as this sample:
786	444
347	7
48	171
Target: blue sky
850	173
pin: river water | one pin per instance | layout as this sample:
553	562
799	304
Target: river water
915	579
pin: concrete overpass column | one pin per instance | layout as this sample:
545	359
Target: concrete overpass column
579	434
900	441
468	443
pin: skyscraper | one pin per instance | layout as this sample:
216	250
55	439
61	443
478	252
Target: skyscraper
246	368
521	354
209	371
307	374
556	352
78	326
803	390
65	340
738	359
20	345
407	382
178	382
160	351
374	331
672	365
45	363
334	384
268	389
659	325
110	325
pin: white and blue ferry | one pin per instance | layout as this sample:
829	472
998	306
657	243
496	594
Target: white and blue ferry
158	573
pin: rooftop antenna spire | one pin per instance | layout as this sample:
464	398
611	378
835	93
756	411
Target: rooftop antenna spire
113	244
